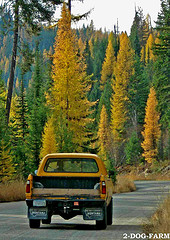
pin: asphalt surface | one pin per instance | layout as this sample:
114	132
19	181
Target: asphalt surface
131	210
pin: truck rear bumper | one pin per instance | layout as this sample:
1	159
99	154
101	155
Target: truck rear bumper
91	209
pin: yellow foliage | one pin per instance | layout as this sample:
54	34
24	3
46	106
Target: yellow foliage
49	144
122	71
104	135
6	166
81	46
108	64
142	54
68	93
151	131
149	52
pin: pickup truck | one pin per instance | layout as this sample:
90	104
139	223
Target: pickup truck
70	184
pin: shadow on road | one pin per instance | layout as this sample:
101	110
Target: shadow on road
83	227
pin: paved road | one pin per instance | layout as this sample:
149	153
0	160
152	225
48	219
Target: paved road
130	211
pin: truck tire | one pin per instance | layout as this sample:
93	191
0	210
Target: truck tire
34	223
102	224
110	213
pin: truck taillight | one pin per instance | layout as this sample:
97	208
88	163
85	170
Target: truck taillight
28	187
103	188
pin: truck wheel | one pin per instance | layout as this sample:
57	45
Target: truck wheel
34	223
101	225
46	221
110	212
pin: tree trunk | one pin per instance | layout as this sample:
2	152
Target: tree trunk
13	61
69	5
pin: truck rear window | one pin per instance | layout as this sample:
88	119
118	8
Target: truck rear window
73	165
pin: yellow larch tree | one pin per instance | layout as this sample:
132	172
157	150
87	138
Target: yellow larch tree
81	46
49	144
151	131
149	51
122	71
104	136
108	64
68	92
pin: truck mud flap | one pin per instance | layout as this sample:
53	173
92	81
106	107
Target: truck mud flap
93	214
38	213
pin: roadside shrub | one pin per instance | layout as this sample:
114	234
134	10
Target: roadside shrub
160	221
12	191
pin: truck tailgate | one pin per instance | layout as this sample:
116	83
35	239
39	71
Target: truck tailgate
66	187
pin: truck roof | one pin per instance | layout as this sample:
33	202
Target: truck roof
100	163
72	155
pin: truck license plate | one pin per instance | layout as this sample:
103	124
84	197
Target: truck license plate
39	203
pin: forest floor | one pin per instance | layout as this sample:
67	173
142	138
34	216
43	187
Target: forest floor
157	171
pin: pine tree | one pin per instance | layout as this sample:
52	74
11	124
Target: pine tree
88	59
151	131
122	71
138	94
37	109
133	149
161	76
134	34
49	144
69	89
161	73
6	164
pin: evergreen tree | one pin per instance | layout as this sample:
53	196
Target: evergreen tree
88	58
151	131
6	165
134	34
37	110
161	75
133	149
138	94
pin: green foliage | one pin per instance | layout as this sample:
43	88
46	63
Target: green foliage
37	110
161	70
138	94
133	149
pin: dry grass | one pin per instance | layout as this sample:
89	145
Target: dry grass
160	221
124	184
13	191
147	177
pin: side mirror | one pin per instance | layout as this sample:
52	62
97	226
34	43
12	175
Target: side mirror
35	172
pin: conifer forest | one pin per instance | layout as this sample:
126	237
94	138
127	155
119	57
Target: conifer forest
81	90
